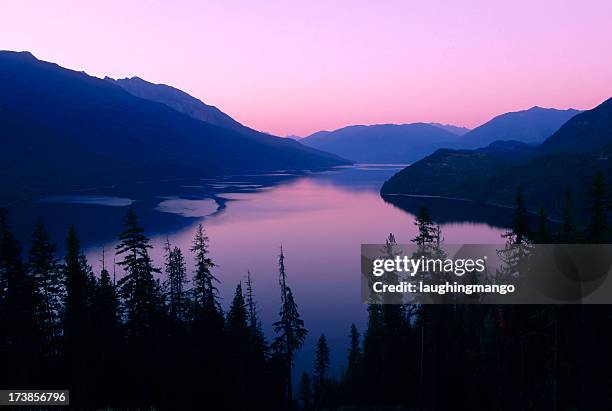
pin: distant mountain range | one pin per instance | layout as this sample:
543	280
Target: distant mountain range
531	126
63	129
570	157
407	143
452	129
383	143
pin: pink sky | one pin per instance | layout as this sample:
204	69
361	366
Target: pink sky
295	67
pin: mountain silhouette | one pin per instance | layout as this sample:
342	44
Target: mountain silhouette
180	101
528	126
62	129
383	143
568	158
589	131
460	131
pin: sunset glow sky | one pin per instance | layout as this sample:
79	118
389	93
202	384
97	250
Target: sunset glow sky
295	67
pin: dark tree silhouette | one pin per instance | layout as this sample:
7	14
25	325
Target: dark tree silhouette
106	340
290	328
45	271
569	231
137	287
597	229
176	280
353	376
542	236
238	333
205	291
20	337
321	367
519	229
255	330
426	228
305	392
77	316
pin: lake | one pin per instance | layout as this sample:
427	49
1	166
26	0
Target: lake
319	218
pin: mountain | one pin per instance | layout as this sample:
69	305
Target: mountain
382	143
587	132
568	158
528	126
178	100
63	129
459	131
195	108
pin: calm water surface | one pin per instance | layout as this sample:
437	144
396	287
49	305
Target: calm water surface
319	218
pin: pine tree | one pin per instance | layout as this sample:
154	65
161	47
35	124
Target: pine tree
205	291
78	335
77	297
20	337
137	288
106	305
237	329
597	229
426	228
321	366
373	344
176	280
305	392
255	329
45	271
352	377
519	230
354	355
257	349
569	231
236	321
514	254
106	339
290	328
542	236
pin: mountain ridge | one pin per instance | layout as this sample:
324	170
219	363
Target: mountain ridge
387	143
530	126
63	129
492	174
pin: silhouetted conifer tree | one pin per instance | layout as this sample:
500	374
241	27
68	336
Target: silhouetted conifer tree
176	279
45	271
569	231
255	329
305	392
20	337
353	379
77	317
321	366
425	226
137	288
373	345
106	342
257	350
205	292
238	332
519	230
236	322
542	235
290	328
597	229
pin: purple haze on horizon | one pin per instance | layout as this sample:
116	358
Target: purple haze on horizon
299	67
